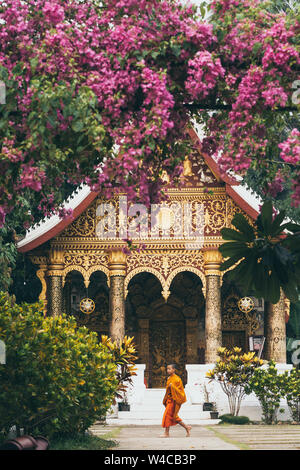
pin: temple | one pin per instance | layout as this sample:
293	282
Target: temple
170	295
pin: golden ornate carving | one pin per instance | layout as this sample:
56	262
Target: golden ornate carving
84	225
218	210
87	305
246	304
184	268
142	269
167	340
212	261
117	263
165	293
287	306
55	296
41	261
276	331
187	167
235	319
213	322
79	248
86	264
56	259
117	307
165	267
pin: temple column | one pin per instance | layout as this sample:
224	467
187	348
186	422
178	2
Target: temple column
55	277
117	272
213	318
143	345
275	329
191	340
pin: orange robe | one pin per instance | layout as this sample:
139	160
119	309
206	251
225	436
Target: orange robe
173	399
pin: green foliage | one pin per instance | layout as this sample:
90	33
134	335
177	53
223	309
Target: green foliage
57	378
228	418
12	262
8	254
294	320
123	354
233	371
263	260
293	331
268	386
291	388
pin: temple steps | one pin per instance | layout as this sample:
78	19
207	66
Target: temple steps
156	422
150	411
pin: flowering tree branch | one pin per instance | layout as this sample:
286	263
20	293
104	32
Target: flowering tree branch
101	93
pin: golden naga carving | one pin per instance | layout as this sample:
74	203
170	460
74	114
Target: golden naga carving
41	261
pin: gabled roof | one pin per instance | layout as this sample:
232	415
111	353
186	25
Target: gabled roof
53	225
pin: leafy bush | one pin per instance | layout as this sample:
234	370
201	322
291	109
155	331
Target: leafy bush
57	378
228	418
268	386
291	386
123	354
233	371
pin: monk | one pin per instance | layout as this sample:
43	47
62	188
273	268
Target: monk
173	399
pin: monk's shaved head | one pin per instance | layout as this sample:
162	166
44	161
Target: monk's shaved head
171	369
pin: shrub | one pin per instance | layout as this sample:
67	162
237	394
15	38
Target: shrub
233	371
291	386
267	385
123	354
57	378
228	418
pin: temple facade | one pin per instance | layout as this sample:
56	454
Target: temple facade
168	292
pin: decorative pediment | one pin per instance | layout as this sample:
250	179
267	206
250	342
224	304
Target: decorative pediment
197	174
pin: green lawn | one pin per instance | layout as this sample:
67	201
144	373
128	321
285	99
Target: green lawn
84	442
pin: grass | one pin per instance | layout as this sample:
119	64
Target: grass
85	442
225	438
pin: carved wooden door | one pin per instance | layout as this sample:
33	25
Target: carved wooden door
234	338
167	346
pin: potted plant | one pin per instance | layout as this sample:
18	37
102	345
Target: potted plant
123	353
207	405
214	414
124	405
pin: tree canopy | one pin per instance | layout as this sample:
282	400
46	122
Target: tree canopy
102	92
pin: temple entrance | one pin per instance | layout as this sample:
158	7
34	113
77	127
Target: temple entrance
231	339
167	345
75	290
169	331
